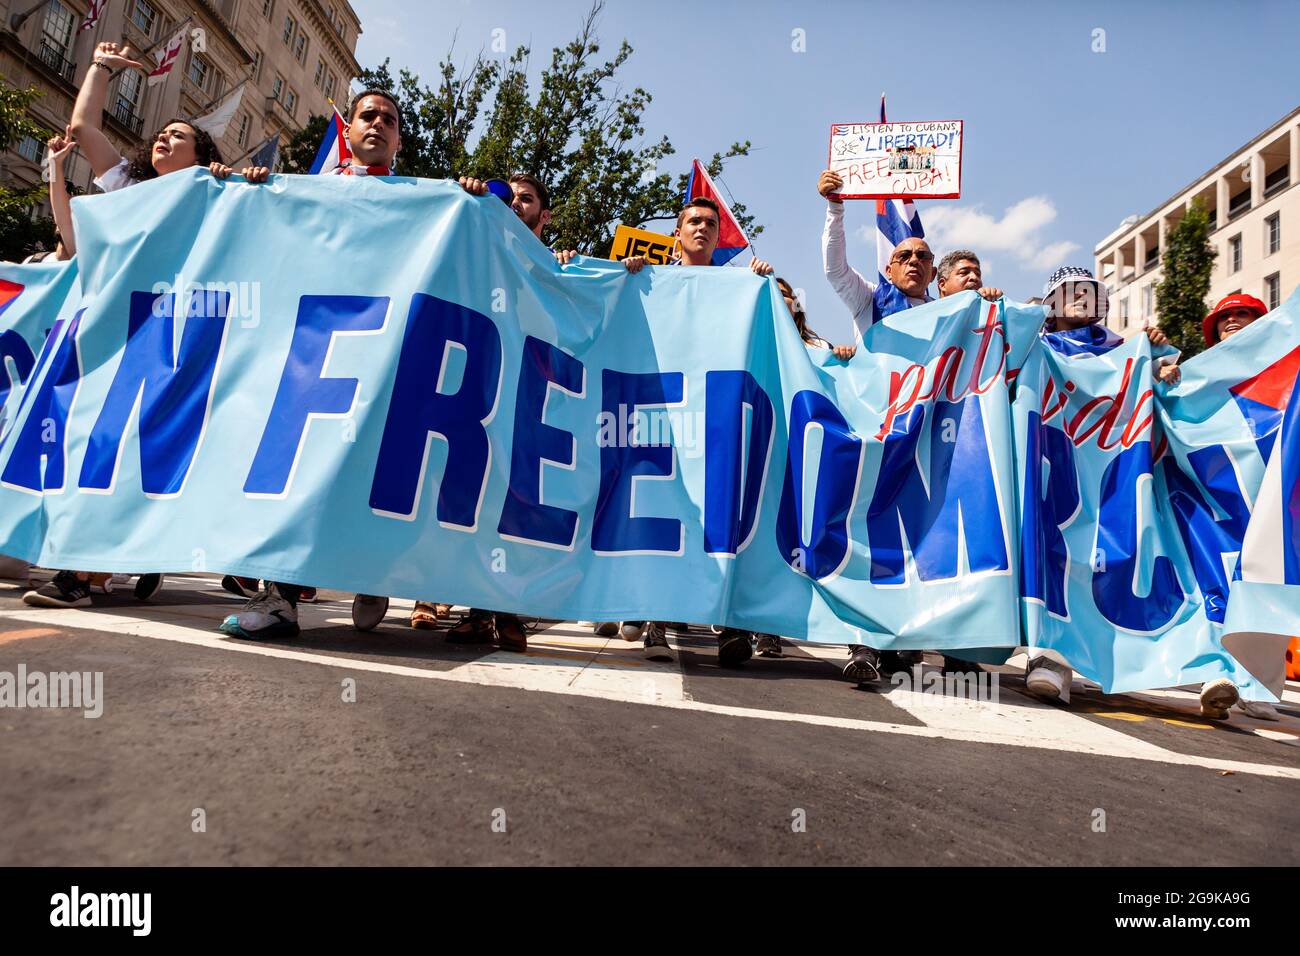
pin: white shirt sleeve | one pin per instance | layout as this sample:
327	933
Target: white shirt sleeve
116	178
849	284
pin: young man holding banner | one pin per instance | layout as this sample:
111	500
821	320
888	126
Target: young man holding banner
698	228
374	132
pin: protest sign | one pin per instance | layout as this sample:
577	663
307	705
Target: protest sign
897	160
658	249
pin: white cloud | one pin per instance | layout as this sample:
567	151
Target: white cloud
1018	232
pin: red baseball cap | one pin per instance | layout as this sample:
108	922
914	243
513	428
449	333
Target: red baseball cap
1238	300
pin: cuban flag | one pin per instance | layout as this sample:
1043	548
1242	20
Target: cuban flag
896	220
334	150
731	240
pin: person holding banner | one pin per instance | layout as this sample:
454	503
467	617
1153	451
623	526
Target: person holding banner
959	271
178	145
374	131
699	224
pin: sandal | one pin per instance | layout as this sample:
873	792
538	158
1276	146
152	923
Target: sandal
424	616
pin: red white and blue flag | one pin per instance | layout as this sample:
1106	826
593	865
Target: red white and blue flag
896	220
334	150
731	239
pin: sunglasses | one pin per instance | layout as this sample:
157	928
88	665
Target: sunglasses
922	255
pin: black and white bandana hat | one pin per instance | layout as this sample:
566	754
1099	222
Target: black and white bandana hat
1073	274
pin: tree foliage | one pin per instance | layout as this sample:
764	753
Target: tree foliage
579	132
1187	264
20	233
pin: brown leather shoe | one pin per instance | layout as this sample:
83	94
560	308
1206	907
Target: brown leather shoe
424	616
511	635
476	628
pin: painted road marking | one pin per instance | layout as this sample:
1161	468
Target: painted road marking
1039	727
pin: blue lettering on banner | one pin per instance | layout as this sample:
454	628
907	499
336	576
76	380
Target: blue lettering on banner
1125	499
14	348
41	437
961	486
172	392
1051	503
305	393
839	469
736	455
625	460
1207	537
420	410
524	517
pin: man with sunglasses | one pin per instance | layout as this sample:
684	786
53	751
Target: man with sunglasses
910	269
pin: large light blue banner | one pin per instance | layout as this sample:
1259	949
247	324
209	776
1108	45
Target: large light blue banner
389	386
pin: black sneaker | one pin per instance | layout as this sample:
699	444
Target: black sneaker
892	662
147	585
734	647
863	666
65	590
769	645
655	646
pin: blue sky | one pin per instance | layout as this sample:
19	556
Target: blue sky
1061	142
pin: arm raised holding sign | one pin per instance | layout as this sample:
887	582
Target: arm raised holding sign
850	285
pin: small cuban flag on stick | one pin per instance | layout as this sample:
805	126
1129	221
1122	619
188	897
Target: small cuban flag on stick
731	240
334	149
896	220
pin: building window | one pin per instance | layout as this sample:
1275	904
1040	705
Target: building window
144	16
290	101
268	8
1279	178
300	48
1239	203
198	72
129	85
1273	233
289	25
1234	254
277	87
1148	305
57	32
330	81
1123	312
1273	291
257	65
243	130
29	148
320	73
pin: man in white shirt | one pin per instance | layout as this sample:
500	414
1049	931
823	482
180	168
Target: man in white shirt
910	269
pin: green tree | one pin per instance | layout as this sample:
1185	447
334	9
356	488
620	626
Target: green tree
580	133
298	154
1187	263
20	233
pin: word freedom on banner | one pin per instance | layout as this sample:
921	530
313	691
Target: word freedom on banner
897	160
477	422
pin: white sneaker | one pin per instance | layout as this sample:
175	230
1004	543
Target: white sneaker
1259	709
367	611
266	617
1217	697
1048	680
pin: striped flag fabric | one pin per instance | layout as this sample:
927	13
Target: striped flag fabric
896	220
334	149
731	240
92	15
167	57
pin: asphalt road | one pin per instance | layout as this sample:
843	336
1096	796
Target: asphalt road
583	753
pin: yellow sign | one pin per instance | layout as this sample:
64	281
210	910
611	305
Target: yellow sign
658	250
